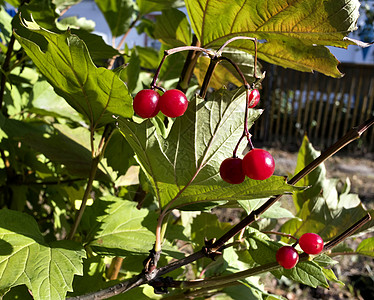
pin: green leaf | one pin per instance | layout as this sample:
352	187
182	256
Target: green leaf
248	190
263	251
97	93
78	23
366	247
99	51
123	229
93	276
130	73
48	140
63	4
42	11
206	226
46	269
184	167
172	28
275	211
320	208
147	6
118	14
296	33
331	276
119	154
315	179
5	24
46	102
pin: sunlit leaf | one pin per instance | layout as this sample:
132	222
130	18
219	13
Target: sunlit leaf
118	14
366	247
172	28
296	33
46	269
122	229
147	6
97	93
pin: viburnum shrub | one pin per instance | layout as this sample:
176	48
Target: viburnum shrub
101	194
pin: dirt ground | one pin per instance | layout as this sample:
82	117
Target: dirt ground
358	168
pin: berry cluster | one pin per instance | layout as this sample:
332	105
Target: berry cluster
310	243
257	164
148	103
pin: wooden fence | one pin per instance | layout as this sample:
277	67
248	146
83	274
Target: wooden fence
322	107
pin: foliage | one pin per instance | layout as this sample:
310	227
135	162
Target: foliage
88	188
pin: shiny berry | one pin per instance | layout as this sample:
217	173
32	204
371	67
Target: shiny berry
146	103
287	257
173	103
311	243
253	98
258	164
231	170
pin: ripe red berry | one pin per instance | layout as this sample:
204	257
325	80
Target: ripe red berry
146	103
173	103
311	243
253	98
231	170
258	164
287	257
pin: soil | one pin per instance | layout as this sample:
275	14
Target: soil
359	170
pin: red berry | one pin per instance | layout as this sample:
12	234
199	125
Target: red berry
146	103
258	164
311	243
287	257
231	170
173	103
254	98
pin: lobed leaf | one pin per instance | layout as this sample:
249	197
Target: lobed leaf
122	229
296	32
97	93
46	269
